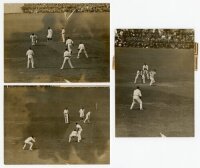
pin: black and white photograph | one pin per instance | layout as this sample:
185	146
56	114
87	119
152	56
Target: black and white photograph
56	125
56	43
154	82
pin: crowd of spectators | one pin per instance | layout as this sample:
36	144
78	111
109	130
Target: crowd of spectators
155	38
66	7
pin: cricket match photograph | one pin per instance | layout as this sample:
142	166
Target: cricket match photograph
56	43
154	82
56	125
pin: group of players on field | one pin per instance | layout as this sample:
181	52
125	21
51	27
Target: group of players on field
76	132
67	53
145	74
142	74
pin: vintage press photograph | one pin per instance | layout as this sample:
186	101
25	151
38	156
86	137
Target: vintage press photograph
56	43
154	82
56	125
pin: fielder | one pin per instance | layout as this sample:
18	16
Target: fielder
79	130
87	117
152	75
137	97
81	48
74	133
67	56
63	35
33	38
49	34
69	44
82	113
145	69
66	115
30	55
139	73
29	141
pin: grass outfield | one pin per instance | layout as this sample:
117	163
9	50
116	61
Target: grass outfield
38	111
90	28
168	106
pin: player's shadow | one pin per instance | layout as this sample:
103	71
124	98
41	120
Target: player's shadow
47	125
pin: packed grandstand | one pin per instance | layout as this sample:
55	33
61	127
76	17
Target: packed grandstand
66	7
155	38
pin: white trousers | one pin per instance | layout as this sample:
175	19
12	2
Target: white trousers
30	60
80	51
29	143
63	38
152	81
136	99
69	62
66	118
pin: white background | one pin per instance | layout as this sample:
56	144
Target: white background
140	152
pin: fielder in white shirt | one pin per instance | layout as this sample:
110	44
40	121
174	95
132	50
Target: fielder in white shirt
87	117
69	44
81	48
82	113
67	56
74	133
63	35
145	69
30	59
152	75
79	130
49	34
29	141
66	115
137	97
33	38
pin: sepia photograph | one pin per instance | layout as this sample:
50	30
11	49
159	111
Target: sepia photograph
56	43
154	82
56	125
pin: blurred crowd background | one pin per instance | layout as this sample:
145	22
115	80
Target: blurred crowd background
155	38
60	8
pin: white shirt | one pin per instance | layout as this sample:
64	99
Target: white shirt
69	41
137	93
29	52
73	133
29	139
66	112
81	111
145	67
50	33
63	31
81	47
33	37
138	72
67	54
79	127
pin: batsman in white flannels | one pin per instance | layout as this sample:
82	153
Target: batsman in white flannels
67	57
29	141
82	113
33	38
30	59
81	48
69	44
145	69
137	95
152	77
